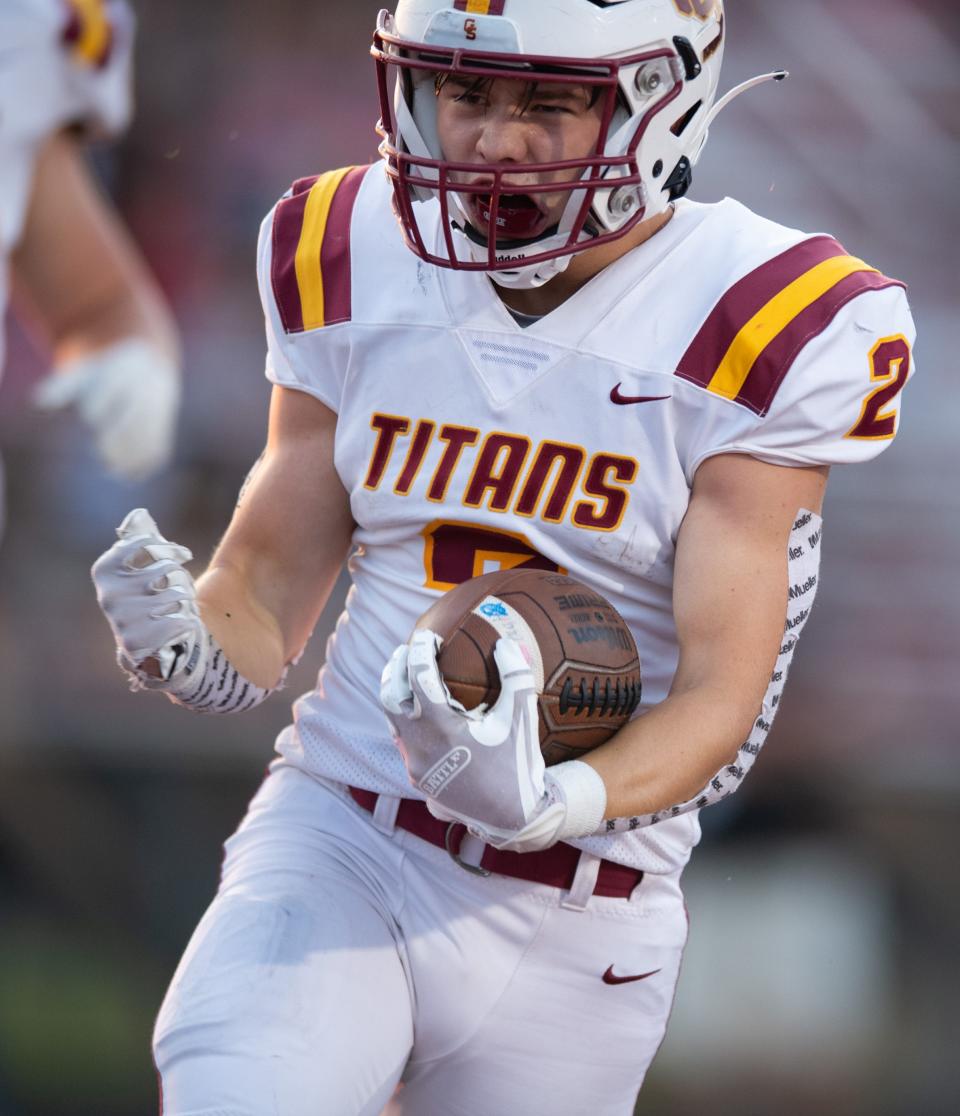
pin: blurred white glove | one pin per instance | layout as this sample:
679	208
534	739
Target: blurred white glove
128	394
150	602
483	767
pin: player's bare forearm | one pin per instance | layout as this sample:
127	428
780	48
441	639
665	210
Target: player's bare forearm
273	571
667	756
77	269
730	597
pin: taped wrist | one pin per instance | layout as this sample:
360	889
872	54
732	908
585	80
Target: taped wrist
581	789
204	680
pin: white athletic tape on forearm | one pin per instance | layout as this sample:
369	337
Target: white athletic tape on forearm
584	794
803	565
207	683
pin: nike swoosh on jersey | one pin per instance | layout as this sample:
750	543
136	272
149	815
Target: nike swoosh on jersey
609	978
626	400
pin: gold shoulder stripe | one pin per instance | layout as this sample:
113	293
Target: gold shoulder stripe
308	257
93	31
480	7
774	317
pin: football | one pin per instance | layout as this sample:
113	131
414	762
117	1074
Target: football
583	656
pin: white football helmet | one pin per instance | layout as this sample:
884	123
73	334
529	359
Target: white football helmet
653	65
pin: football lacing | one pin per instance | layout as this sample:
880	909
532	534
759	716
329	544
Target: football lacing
620	699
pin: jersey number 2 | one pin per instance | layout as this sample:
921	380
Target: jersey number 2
456	552
890	366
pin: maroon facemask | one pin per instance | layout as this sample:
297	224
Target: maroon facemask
504	218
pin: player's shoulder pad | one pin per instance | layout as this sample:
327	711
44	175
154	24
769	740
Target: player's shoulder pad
759	325
310	269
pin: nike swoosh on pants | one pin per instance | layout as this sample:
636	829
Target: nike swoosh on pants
609	978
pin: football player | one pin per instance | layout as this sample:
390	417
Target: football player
513	341
64	76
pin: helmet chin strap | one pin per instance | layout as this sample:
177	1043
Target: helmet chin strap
532	276
523	276
761	79
527	276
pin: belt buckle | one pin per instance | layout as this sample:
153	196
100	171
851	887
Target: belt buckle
448	842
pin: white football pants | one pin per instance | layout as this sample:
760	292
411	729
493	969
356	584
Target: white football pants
340	960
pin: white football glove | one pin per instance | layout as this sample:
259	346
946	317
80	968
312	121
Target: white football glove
128	394
483	767
150	602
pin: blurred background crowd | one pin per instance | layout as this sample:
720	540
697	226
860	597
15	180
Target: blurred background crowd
823	965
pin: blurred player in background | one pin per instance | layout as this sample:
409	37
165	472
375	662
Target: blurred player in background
65	78
513	342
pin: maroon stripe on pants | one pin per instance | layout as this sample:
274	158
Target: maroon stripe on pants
287	226
745	299
774	362
335	249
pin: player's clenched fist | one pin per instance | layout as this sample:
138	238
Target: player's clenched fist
483	767
149	600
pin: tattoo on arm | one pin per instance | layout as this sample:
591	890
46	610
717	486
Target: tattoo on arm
248	479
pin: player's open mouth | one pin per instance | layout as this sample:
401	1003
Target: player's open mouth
518	217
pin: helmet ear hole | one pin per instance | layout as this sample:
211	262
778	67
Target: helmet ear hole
688	56
680	126
680	181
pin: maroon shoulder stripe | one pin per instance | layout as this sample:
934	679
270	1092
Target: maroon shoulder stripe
770	368
304	185
335	249
287	226
745	299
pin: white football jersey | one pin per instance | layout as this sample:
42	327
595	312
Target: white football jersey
62	63
467	443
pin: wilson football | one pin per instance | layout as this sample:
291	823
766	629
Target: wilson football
583	656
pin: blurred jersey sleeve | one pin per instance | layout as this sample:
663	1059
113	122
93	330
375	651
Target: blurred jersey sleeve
63	63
